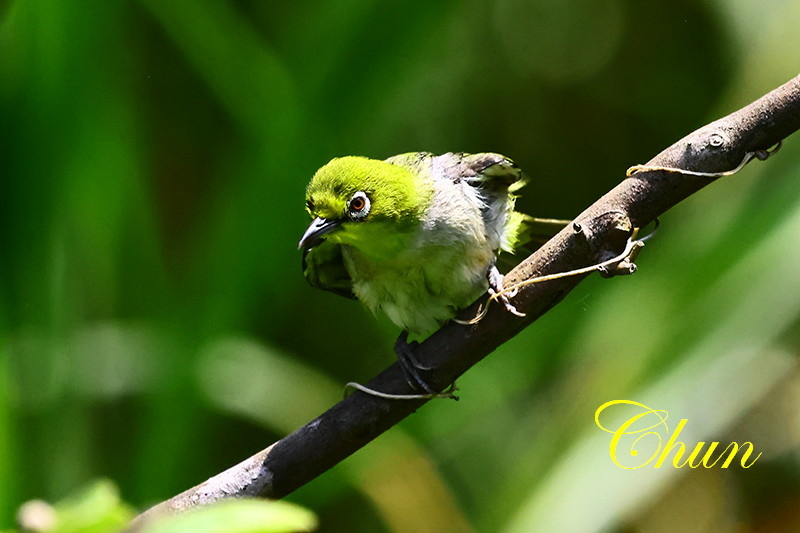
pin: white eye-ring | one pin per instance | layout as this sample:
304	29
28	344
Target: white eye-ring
358	206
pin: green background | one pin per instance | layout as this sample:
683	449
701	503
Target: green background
155	326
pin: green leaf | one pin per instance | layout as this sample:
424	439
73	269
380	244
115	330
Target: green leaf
96	509
239	516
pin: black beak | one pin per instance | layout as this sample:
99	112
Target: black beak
314	233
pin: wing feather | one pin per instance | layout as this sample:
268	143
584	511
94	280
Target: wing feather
323	267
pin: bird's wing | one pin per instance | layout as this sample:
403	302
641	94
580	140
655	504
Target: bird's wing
492	179
498	179
323	267
487	171
416	162
493	173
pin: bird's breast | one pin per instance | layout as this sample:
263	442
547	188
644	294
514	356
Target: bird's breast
421	290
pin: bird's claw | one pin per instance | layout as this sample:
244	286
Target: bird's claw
505	299
405	350
496	291
410	364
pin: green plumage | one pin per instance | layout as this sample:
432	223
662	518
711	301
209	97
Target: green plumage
414	236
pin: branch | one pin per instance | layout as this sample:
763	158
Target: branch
597	234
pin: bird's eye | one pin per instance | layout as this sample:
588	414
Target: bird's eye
358	206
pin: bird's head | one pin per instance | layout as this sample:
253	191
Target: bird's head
364	203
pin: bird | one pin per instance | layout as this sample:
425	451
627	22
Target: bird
415	236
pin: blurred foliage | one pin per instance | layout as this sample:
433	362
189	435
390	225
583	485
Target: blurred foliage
94	509
155	327
98	509
239	516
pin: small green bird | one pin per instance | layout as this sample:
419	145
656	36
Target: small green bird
415	235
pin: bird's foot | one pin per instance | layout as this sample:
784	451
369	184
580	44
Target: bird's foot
405	352
411	366
496	291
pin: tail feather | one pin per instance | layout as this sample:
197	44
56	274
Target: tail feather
527	234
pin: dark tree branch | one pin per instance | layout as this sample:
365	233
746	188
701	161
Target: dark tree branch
597	234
